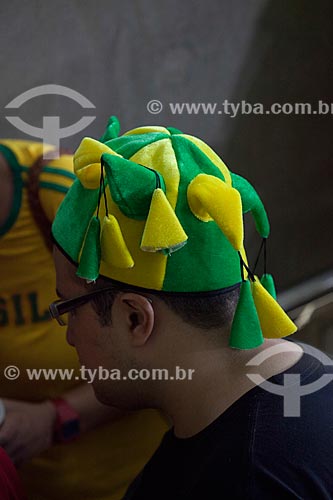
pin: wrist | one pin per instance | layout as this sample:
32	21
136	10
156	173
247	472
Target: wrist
66	422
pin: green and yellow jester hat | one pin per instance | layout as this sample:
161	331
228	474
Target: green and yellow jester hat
158	209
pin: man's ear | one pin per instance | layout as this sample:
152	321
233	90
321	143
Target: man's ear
138	314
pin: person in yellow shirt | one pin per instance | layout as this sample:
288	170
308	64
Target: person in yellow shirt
65	443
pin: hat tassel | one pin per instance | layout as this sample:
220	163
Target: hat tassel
113	247
162	231
246	330
274	322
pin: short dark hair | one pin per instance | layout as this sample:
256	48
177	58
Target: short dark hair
204	311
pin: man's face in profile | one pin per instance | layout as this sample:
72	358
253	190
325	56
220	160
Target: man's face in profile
113	347
84	331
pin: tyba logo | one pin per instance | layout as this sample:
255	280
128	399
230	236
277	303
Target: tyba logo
291	390
51	132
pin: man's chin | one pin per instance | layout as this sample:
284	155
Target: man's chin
106	397
101	395
110	398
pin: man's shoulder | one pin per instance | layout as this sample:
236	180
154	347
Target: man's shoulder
291	443
290	395
259	447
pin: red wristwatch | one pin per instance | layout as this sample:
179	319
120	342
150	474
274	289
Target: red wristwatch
67	424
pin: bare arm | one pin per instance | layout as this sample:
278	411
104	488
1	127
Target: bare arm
28	427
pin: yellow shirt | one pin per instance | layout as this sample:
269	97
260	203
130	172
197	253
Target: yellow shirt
101	463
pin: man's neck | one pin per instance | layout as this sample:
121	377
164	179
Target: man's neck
220	378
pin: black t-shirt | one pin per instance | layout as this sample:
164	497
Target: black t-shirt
252	451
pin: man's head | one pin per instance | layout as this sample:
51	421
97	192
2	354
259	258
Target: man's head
122	328
160	214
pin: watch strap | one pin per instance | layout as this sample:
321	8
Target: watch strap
67	423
